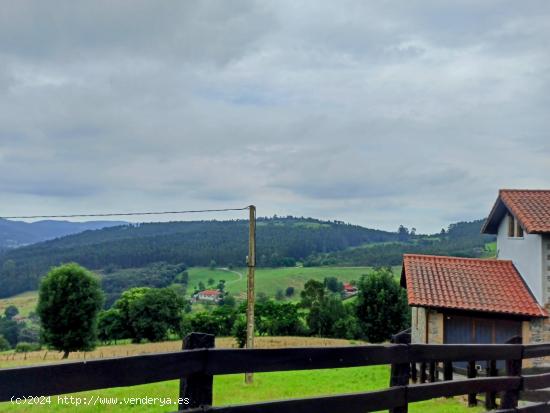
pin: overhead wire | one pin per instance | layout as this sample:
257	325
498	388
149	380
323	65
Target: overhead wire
120	214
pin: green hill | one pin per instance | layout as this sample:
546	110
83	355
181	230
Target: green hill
280	242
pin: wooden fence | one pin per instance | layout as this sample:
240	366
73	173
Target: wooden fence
198	362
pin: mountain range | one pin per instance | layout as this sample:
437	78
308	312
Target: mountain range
15	234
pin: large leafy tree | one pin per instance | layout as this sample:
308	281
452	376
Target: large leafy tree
69	301
151	313
381	305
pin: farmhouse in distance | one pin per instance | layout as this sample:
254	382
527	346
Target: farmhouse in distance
473	300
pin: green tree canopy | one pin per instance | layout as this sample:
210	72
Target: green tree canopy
381	305
11	311
150	313
68	303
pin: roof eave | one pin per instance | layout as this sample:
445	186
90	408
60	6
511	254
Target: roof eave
542	313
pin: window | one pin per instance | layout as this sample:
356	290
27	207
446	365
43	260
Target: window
515	230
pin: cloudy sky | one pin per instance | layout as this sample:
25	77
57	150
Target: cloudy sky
376	113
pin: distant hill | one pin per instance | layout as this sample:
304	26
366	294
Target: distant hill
18	233
462	239
280	242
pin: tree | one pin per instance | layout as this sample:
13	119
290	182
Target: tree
228	301
239	331
5	345
11	311
279	295
289	292
30	334
202	287
150	313
210	282
381	305
324	315
402	233
332	284
111	325
212	265
313	293
69	301
9	329
221	285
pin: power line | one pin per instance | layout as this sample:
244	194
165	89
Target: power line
120	214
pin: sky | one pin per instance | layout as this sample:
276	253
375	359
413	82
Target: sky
377	113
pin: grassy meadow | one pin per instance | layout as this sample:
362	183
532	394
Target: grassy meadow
230	389
25	302
269	280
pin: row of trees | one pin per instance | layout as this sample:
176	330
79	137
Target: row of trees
71	315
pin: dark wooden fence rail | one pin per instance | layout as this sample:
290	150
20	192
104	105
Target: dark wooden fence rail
195	367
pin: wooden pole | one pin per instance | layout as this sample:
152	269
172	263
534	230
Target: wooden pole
196	389
251	262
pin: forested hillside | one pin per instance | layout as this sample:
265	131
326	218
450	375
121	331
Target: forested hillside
280	242
462	239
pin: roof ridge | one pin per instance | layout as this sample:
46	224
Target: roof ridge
522	190
458	258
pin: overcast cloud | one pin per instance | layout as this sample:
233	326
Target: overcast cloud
376	113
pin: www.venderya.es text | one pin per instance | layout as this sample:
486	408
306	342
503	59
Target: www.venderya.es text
96	400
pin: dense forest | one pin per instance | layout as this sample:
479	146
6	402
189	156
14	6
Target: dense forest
280	242
462	239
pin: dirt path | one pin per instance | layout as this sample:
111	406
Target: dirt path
239	274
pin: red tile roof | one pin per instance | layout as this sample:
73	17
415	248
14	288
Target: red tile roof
467	284
530	207
210	292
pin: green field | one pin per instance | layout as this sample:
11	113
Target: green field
25	302
269	280
230	389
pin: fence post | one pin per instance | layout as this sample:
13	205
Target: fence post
423	372
472	373
414	372
490	397
448	370
510	398
432	371
400	372
197	387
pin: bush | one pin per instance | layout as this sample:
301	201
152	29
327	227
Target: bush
24	347
4	344
239	331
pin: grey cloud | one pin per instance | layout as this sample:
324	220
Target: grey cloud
377	113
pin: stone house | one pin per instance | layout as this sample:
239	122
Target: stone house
474	300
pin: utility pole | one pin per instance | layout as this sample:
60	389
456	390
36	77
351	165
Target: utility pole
251	263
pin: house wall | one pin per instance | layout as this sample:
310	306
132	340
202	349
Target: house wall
546	264
526	254
422	319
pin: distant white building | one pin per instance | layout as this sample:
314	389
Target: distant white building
209	295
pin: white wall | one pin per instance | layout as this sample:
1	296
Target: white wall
526	254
